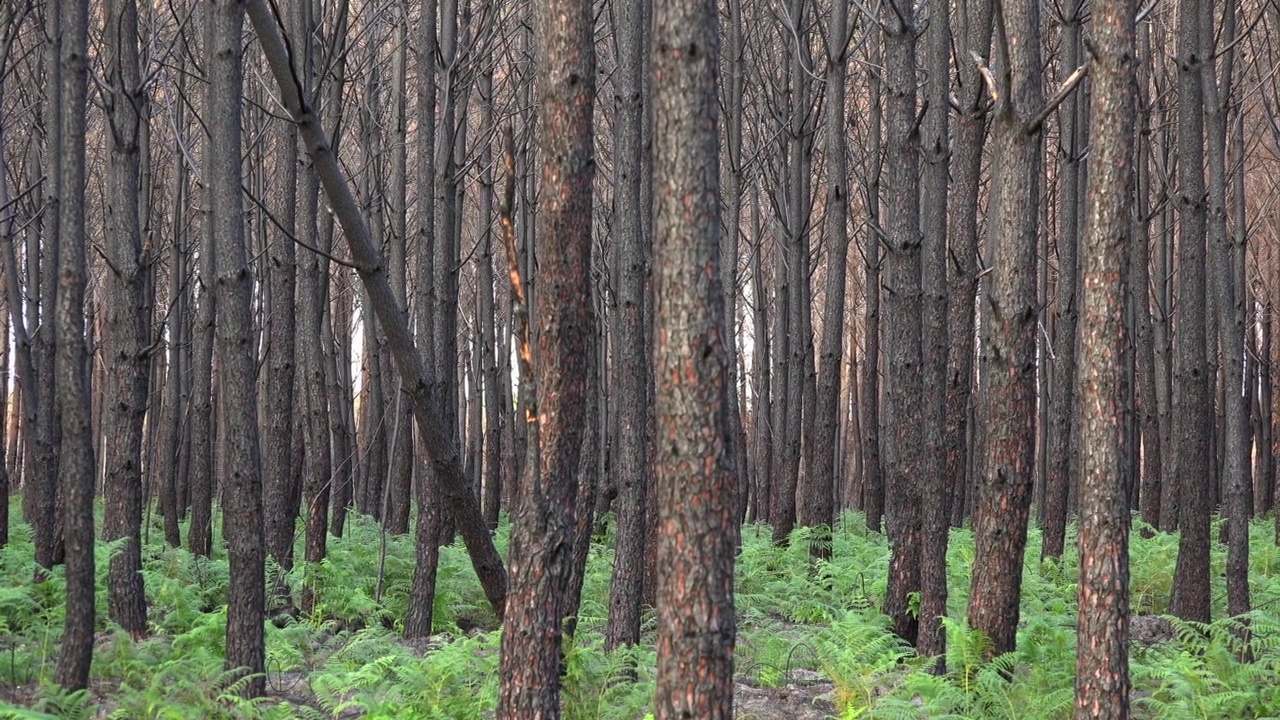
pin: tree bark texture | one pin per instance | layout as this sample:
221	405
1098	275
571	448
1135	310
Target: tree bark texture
697	512
238	450
904	409
1062	406
936	484
1193	403
1102	635
1004	494
126	338
76	458
632	355
544	523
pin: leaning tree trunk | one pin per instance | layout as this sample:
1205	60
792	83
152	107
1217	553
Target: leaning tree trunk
417	381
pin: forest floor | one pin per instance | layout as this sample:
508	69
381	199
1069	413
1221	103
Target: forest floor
811	643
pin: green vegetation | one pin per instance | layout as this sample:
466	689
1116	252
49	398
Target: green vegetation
346	658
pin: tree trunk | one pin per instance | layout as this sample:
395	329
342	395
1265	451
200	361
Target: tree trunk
797	353
313	280
280	496
904	406
1102	635
42	499
200	532
238	428
543	530
936	484
400	451
1192	416
76	457
761	360
872	469
1152	448
419	618
1062	406
697	512
1236	490
1004	495
490	466
126	338
448	234
962	280
632	355
817	506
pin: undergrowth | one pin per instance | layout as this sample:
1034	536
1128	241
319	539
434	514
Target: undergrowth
798	620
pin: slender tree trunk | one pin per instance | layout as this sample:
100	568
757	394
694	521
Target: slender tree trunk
817	508
491	465
448	232
1062	405
872	469
1236	491
128	315
76	456
318	476
798	351
238	430
1152	448
400	451
632	355
761	360
1265	475
422	597
200	532
280	495
42	501
962	280
904	406
1192	416
734	175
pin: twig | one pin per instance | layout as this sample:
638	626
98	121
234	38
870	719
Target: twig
1058	98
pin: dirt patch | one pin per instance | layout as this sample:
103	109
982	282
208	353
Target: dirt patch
1148	630
806	697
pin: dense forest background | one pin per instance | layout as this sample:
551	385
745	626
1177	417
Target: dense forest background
613	293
